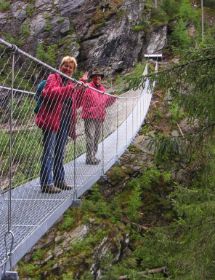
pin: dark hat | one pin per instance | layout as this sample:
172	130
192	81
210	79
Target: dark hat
97	72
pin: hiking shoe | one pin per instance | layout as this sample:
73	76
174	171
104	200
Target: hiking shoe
50	189
94	161
63	186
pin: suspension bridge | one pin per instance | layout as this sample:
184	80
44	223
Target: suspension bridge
25	212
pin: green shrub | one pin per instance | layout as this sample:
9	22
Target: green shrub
4	143
209	3
18	41
170	7
23	111
166	148
29	269
4	5
188	13
30	10
38	254
138	28
134	78
67	222
176	113
47	54
158	17
25	29
179	37
134	203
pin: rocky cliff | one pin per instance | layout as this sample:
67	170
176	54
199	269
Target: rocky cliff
103	33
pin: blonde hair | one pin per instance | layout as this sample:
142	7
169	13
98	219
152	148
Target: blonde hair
69	59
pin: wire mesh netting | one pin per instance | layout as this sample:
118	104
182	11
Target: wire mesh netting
53	142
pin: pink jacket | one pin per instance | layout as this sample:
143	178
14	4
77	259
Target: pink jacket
95	103
54	95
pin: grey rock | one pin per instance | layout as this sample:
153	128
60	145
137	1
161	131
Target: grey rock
37	25
68	6
18	10
70	46
144	144
56	2
182	176
59	25
175	133
58	252
109	42
188	126
157	40
3	18
65	27
42	3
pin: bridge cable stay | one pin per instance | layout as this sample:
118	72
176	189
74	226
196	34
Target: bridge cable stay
26	213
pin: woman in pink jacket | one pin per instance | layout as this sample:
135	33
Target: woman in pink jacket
94	112
56	118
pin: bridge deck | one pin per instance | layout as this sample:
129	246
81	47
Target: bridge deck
33	212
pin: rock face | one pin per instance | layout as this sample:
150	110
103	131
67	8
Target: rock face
98	32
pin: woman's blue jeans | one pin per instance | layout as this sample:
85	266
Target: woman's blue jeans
52	170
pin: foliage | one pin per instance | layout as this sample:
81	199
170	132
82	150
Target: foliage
134	203
178	15
25	164
25	29
30	270
116	174
192	235
133	78
48	54
170	7
23	111
4	5
97	204
166	148
209	37
101	14
67	222
179	36
30	10
38	254
188	13
48	25
177	113
13	40
140	27
158	17
192	85
209	3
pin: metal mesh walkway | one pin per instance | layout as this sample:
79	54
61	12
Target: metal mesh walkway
25	212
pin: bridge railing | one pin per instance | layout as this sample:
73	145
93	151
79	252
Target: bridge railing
22	143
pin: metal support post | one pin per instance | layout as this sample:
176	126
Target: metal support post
132	118
126	128
117	129
103	156
9	232
202	14
76	201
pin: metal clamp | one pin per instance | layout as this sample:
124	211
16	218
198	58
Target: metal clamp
9	252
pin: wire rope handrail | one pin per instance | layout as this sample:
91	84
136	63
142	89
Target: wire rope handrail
15	48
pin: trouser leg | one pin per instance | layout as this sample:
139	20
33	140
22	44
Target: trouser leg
98	128
89	132
61	140
49	139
